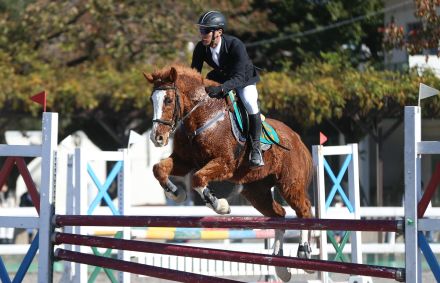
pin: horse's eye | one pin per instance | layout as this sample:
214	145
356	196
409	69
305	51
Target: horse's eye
168	100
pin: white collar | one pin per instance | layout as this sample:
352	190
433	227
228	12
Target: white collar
217	48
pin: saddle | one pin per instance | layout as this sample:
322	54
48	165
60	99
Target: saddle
240	123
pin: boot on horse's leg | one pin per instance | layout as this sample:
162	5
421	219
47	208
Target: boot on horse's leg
221	206
304	249
255	157
173	192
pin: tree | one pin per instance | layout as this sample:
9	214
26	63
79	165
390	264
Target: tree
331	89
303	29
420	38
89	56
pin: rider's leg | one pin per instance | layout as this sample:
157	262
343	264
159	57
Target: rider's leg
249	97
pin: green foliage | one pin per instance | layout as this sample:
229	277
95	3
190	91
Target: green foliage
293	19
331	89
90	54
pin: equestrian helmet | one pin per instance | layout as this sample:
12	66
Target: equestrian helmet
212	20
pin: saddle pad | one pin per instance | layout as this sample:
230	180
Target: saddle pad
268	134
239	136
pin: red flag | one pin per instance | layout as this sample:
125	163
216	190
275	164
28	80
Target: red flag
322	138
40	98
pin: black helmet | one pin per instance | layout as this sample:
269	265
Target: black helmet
212	19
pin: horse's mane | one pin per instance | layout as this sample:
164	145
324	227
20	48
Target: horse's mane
188	79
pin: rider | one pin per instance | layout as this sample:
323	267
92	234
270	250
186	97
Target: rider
233	69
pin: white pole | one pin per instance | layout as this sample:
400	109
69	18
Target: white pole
48	165
318	164
353	187
412	185
80	206
124	206
69	267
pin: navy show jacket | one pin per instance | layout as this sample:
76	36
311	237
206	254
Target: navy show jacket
236	69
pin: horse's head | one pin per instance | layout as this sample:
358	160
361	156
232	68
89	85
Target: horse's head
170	97
166	105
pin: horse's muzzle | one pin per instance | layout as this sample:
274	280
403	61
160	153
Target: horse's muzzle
159	140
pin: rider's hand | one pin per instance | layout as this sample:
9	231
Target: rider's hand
215	91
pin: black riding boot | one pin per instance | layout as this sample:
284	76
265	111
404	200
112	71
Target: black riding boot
255	157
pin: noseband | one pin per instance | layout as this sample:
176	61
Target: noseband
176	113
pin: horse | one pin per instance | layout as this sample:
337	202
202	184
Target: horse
203	143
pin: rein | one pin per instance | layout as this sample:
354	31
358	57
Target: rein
177	120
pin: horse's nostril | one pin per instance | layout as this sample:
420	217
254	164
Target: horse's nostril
159	139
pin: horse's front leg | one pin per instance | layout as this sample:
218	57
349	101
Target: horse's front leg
171	166
216	170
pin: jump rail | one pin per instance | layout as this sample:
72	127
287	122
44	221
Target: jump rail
230	222
216	254
136	268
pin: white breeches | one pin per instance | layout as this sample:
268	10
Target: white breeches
249	97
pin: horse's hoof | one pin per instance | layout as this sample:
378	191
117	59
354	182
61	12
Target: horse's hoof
174	193
222	206
305	251
177	196
283	273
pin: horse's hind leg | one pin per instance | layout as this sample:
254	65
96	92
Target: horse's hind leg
297	198
260	196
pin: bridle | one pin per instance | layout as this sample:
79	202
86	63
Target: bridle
177	119
176	113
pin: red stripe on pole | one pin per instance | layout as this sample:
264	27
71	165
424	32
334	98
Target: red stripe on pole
229	222
429	192
27	178
40	98
6	170
216	254
137	268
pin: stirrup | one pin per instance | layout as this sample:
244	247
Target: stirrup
254	164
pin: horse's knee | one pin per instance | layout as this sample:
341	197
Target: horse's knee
162	170
158	173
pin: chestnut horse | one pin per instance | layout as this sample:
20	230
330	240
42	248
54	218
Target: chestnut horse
204	143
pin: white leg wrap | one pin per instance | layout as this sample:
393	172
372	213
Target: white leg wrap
223	207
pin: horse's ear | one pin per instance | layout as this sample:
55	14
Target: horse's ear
173	74
149	77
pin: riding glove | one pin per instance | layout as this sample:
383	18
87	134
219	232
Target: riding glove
215	91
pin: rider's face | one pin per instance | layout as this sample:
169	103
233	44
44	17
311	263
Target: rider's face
206	36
